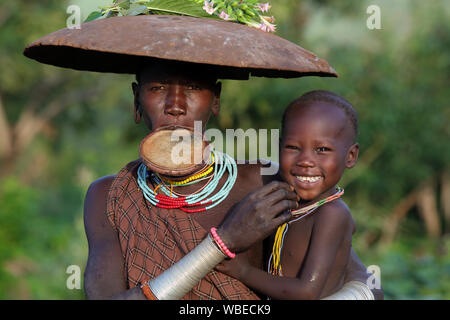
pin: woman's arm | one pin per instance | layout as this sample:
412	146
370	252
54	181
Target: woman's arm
104	274
105	277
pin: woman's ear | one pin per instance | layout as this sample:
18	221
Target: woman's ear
216	103
352	156
137	106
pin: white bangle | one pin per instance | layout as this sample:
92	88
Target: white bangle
352	290
179	279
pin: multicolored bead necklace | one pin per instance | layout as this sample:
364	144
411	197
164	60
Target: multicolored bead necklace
203	198
195	178
274	266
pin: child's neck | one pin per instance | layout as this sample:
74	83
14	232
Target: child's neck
321	196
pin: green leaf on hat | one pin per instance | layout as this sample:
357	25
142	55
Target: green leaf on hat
93	16
125	4
242	11
179	7
136	9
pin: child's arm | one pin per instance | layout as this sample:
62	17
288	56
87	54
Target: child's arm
330	242
332	226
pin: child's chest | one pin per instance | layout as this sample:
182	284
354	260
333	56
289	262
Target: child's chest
295	246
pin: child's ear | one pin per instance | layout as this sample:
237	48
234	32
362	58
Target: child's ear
352	156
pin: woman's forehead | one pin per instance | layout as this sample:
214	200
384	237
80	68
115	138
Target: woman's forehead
172	71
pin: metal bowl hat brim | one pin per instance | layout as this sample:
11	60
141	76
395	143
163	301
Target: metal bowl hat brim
123	44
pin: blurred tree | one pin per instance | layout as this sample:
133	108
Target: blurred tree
42	110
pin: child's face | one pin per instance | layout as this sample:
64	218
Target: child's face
317	145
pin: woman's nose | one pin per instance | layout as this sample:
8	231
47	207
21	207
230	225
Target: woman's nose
175	101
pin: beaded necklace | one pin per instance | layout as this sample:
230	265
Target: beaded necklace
274	265
172	190
195	178
202	198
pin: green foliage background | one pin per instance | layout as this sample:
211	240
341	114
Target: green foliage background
397	78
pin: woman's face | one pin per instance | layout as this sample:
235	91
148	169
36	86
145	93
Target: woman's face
165	96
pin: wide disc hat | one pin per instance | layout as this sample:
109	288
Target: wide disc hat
122	44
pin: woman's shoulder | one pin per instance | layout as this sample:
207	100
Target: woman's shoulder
101	186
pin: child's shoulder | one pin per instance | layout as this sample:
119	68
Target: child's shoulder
337	213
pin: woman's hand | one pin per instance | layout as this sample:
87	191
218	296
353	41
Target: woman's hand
257	215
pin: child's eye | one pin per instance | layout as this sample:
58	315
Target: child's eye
323	149
291	147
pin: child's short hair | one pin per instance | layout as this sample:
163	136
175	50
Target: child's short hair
325	96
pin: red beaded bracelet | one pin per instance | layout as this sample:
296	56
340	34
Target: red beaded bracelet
221	245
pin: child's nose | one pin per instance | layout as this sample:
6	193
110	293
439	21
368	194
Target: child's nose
305	159
175	104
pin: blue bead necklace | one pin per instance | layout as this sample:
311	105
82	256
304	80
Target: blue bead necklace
198	202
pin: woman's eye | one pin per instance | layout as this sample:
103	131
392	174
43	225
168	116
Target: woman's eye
193	87
157	88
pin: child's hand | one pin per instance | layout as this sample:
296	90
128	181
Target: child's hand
237	267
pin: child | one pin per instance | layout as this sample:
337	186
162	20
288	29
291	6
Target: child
309	261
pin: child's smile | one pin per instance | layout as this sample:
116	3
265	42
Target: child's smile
308	181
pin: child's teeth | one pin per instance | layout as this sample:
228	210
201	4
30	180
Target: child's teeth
309	179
